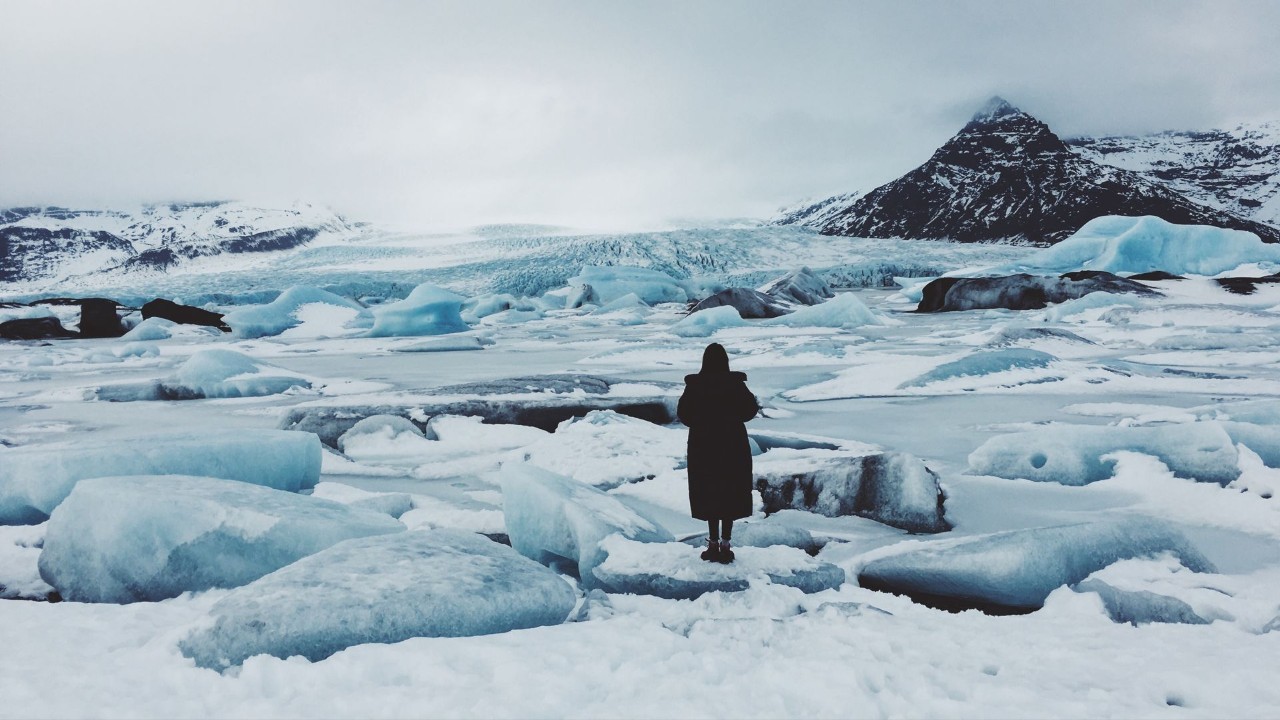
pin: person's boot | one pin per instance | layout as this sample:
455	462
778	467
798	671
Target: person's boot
726	555
712	553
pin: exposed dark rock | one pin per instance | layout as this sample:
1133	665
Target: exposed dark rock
1022	291
98	319
1007	176
44	328
1246	285
886	487
183	314
1155	275
749	303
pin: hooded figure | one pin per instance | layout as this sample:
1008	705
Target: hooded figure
715	406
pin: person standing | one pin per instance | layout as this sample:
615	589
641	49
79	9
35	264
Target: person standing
715	406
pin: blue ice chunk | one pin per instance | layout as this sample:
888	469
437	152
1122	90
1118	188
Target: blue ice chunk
558	520
1072	454
675	570
706	322
221	373
35	479
281	314
429	310
983	363
608	283
385	589
1015	571
842	311
151	537
153	328
1120	244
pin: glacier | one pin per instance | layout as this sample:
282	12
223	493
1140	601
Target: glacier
151	537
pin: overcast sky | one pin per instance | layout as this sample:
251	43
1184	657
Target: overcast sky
435	115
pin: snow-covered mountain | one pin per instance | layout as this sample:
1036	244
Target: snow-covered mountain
53	243
1007	177
1236	170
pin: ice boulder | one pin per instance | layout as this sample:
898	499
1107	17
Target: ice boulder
558	520
1073	455
843	311
384	589
282	313
1121	244
674	570
607	449
983	363
608	283
1014	571
708	322
893	488
152	328
1021	291
749	303
1162	590
801	287
429	310
455	343
35	479
483	306
380	427
221	373
151	537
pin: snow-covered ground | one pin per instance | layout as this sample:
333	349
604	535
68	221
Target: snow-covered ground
1172	380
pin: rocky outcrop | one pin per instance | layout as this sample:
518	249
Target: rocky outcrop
750	304
183	314
45	328
1022	291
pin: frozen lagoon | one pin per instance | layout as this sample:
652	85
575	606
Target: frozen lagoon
769	650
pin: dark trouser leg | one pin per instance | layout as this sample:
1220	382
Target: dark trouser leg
726	529
713	531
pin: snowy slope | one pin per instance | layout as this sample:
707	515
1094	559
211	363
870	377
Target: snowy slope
1237	170
52	243
1007	177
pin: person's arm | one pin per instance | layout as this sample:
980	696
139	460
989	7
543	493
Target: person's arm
687	409
747	405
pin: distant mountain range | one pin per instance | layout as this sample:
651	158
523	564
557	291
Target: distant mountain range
52	243
1007	177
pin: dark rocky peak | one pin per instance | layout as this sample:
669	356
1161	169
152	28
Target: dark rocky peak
998	131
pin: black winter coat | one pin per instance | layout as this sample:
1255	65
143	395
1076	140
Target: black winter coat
715	406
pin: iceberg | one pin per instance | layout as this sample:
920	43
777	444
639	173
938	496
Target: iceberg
153	328
749	303
1073	454
1120	244
429	310
384	589
151	537
707	322
380	427
893	488
558	520
800	287
843	311
983	363
220	373
608	283
1014	571
674	570
35	479
607	449
282	313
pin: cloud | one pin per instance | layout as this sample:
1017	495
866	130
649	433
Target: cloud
609	114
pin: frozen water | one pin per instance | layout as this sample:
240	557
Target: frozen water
554	519
707	322
1015	571
381	427
151	537
153	328
453	343
983	363
842	311
675	570
1138	591
386	589
483	306
608	283
606	449
802	287
630	301
1071	309
282	313
221	373
893	488
35	479
1073	454
1122	244
429	310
